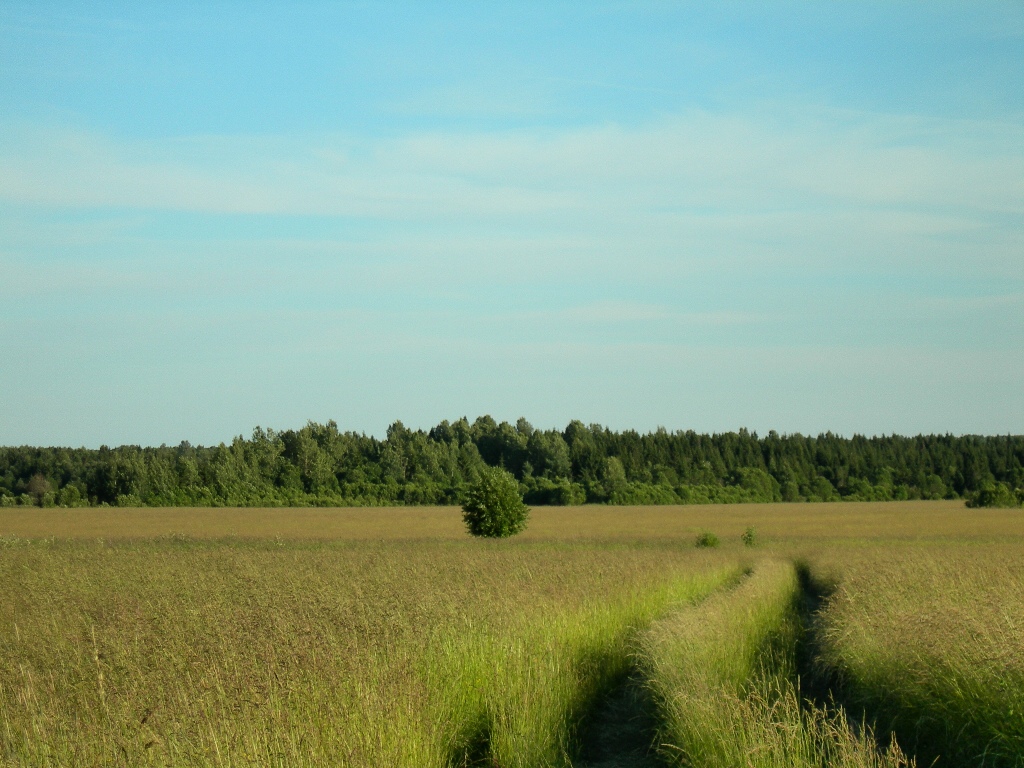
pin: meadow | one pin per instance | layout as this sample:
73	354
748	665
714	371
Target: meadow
855	634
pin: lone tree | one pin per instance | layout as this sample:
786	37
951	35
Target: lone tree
37	488
494	507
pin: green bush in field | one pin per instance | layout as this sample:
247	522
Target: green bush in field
749	537
494	506
707	539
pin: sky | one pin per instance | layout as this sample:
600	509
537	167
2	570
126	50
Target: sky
804	217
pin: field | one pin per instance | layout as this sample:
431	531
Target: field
775	522
852	634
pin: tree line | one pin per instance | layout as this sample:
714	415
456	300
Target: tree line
319	465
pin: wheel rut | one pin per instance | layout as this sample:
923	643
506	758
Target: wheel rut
621	731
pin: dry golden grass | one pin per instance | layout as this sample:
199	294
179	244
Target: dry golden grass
793	522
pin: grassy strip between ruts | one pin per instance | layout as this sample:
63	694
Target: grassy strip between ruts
932	645
526	695
723	674
185	653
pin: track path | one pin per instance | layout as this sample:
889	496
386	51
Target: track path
621	731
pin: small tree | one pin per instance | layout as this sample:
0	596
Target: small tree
493	506
37	488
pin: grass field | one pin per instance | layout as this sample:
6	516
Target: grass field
932	643
371	637
778	522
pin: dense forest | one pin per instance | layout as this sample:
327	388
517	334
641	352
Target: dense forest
320	465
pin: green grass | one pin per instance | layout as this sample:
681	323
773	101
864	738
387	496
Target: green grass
723	676
439	650
932	644
420	654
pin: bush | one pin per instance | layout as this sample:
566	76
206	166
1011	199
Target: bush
494	506
759	484
560	492
749	537
994	495
707	539
644	493
69	496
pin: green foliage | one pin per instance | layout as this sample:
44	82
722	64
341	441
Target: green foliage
494	506
822	490
759	484
996	495
645	493
560	492
749	537
38	487
706	539
614	479
318	465
69	496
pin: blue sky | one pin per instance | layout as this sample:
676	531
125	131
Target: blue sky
802	217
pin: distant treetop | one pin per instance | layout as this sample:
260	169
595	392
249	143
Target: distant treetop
321	465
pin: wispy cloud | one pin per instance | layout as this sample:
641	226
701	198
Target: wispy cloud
698	193
778	160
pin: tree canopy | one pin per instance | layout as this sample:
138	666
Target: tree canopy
321	465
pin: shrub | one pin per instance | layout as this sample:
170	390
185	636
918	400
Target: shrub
994	495
644	493
749	537
707	539
69	496
560	492
759	484
494	506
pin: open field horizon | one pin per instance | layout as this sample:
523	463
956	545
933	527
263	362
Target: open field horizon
512	385
601	636
778	522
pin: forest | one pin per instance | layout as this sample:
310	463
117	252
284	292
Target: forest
319	465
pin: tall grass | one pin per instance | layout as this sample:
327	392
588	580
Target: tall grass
185	653
723	676
932	644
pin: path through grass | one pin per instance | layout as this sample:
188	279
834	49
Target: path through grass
185	653
578	649
622	731
723	677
